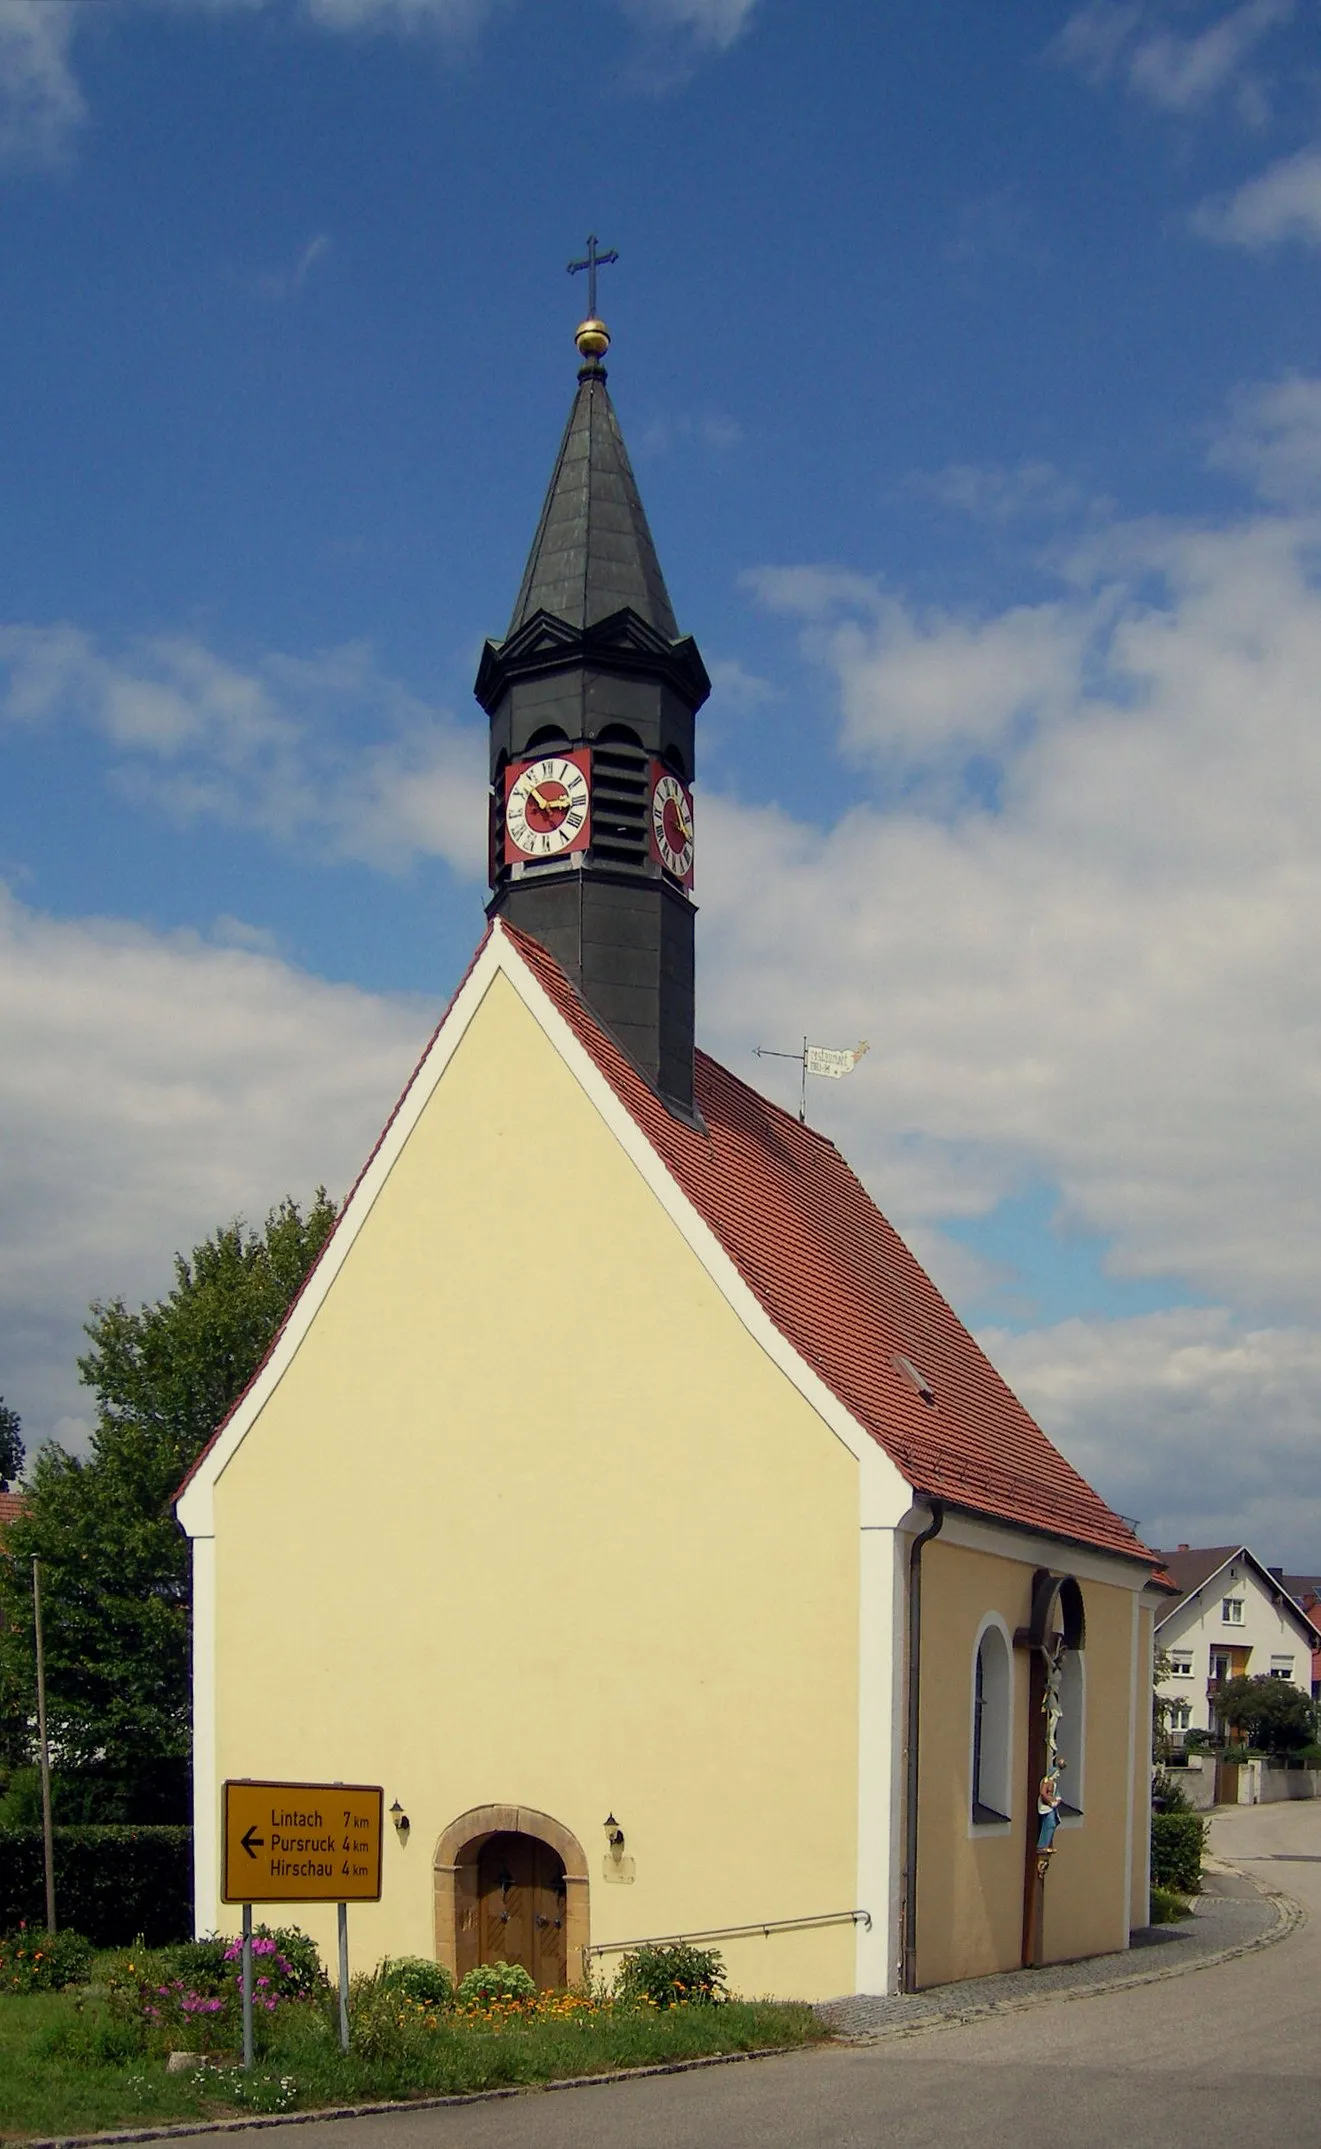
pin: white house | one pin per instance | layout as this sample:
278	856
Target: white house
1232	1617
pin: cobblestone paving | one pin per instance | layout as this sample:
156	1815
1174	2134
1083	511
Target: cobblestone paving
1234	1921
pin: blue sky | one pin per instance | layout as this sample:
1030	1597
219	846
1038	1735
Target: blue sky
967	358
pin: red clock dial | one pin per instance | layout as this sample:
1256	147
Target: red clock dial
672	823
547	807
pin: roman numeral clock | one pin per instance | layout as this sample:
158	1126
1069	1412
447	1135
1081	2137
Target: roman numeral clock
547	808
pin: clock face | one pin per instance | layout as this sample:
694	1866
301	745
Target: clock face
672	824
546	807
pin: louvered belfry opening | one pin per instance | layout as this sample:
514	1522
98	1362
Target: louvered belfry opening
593	672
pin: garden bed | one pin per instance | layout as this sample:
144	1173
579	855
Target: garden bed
83	2060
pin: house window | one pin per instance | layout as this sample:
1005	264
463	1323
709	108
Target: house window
992	1713
1219	1666
1181	1663
1281	1667
1231	1611
1180	1715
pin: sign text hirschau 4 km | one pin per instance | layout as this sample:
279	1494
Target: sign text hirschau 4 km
302	1842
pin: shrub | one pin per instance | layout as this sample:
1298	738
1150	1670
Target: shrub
1167	1795
1167	1906
671	1976
35	1961
203	1964
386	2027
496	1981
1177	1843
429	1983
1275	1714
285	1963
110	1883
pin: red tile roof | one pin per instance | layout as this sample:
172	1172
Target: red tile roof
842	1288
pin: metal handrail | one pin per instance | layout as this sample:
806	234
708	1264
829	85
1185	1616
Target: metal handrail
733	1932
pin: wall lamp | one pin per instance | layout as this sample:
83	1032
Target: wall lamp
614	1834
401	1821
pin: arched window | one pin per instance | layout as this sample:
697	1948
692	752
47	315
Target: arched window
992	1726
547	735
1072	1741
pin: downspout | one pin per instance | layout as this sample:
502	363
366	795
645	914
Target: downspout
933	1529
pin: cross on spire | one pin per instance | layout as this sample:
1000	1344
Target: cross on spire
592	263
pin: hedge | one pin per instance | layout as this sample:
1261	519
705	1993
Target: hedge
111	1884
1177	1841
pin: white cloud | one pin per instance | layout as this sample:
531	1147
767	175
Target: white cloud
286	283
918	685
1274	439
1106	984
325	752
1281	203
1202	1428
994	493
151	1087
450	18
1176	72
713	23
736	687
40	101
42	105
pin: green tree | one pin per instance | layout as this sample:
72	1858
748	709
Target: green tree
11	1445
115	1567
1274	1714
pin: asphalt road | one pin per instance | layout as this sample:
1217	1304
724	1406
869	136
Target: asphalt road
1216	2058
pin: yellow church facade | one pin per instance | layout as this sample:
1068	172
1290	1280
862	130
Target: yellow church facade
620	1494
536	1535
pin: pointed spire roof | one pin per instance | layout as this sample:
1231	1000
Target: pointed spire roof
593	553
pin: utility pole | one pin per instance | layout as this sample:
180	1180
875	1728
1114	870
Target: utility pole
47	1830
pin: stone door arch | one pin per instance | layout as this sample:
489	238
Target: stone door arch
535	1870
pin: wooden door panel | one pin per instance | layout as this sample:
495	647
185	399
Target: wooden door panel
521	1907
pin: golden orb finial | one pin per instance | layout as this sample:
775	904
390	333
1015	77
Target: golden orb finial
592	338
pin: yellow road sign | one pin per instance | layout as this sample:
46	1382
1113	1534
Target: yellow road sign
302	1842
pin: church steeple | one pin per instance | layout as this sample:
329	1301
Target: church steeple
591	696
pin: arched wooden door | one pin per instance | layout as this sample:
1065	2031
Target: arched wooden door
521	1897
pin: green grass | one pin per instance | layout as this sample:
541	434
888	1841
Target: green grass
67	2068
1167	1905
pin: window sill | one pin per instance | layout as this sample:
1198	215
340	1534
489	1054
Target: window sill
986	1821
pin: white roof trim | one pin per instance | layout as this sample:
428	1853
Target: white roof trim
886	1496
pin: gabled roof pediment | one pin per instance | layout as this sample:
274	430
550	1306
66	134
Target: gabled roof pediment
800	1252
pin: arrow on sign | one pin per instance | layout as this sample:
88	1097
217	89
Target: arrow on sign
249	1839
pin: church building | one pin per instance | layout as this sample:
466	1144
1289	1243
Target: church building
620	1493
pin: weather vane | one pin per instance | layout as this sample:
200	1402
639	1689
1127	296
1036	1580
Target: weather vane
815	1060
592	263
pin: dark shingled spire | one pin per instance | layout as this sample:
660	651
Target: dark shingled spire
593	554
595	672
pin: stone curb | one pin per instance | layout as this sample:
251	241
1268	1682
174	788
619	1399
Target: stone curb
1289	1916
182	2129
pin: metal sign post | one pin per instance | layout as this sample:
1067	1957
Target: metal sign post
247	1988
343	1977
